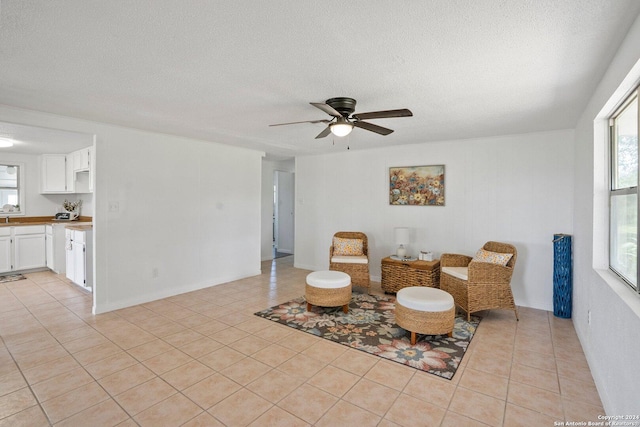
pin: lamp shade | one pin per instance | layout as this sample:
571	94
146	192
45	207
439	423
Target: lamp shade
401	235
341	129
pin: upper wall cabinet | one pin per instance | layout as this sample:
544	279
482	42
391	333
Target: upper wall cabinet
56	176
81	160
82	173
66	173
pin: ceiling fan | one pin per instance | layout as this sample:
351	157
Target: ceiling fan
343	119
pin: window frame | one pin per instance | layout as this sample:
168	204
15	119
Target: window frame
634	95
20	187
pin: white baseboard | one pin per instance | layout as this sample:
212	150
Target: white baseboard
117	305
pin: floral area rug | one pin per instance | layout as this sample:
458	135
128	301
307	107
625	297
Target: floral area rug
370	326
11	278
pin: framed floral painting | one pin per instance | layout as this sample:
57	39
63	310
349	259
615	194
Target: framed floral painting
416	185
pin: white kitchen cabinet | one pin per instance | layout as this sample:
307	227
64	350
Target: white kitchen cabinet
67	173
48	245
83	175
70	270
29	247
81	159
79	262
56	174
22	248
70	176
55	251
6	249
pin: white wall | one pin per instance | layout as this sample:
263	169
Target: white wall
268	168
37	204
196	231
515	189
610	341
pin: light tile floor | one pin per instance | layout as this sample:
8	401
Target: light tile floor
203	359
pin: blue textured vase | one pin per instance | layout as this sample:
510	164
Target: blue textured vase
562	276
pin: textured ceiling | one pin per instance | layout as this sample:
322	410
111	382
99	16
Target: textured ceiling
39	140
223	71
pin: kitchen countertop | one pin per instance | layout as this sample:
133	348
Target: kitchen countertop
80	227
18	221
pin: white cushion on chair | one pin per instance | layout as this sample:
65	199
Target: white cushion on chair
461	273
355	259
328	279
423	298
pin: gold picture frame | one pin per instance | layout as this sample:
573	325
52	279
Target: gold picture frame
416	185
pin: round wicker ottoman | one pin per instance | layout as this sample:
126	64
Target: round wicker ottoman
328	289
425	310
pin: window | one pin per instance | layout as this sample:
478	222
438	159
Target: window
623	229
10	195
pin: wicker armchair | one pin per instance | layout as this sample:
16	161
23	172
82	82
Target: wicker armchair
357	266
487	286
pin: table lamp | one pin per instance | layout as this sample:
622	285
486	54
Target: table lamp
402	238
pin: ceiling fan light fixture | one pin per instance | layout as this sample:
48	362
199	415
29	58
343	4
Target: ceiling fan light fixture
341	128
6	143
343	120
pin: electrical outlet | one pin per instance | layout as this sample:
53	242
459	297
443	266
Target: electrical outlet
154	272
589	317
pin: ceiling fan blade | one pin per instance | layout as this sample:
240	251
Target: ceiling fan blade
324	133
326	108
383	114
307	121
372	127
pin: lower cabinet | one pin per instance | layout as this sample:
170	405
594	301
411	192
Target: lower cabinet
29	251
70	260
22	248
49	247
79	264
6	249
56	253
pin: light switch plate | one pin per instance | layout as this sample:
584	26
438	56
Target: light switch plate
114	207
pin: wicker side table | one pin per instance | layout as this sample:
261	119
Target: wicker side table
398	274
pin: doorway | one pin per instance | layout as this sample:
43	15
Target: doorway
283	213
